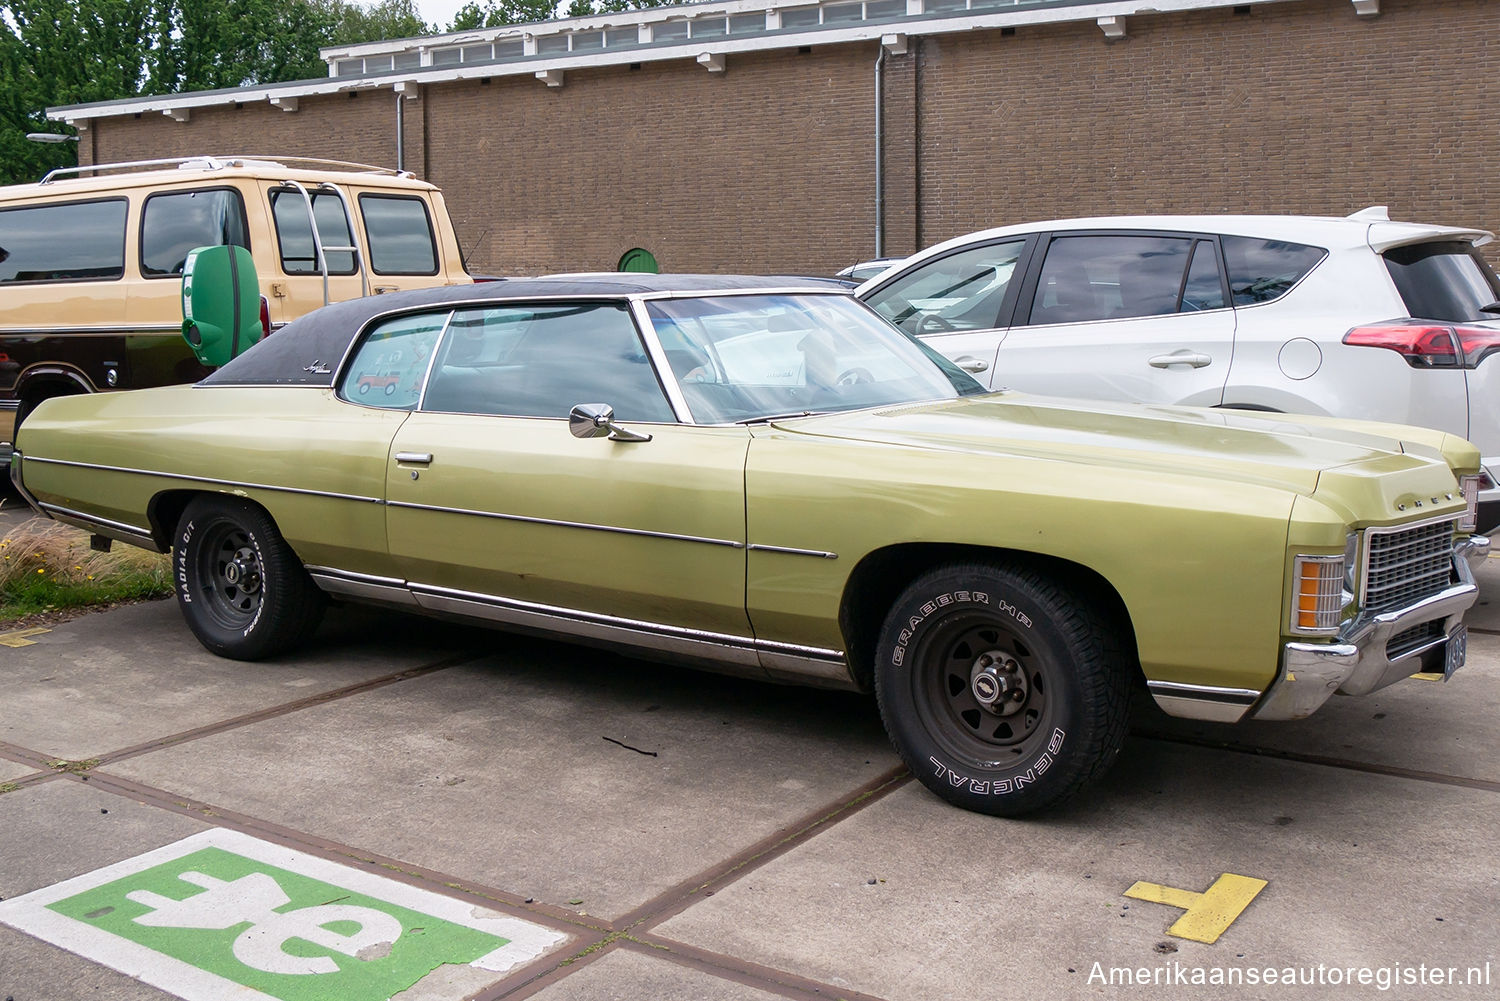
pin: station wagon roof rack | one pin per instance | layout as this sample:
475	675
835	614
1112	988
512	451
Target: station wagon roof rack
222	162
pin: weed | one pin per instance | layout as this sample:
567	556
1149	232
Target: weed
46	566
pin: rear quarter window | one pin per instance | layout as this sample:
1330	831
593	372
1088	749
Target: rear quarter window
179	221
1445	281
68	242
1263	270
400	235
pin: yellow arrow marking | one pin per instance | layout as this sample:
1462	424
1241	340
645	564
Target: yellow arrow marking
17	638
1210	913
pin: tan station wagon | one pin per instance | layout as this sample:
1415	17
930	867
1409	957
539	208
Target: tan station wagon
91	260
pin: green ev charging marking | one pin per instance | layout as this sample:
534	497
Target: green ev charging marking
223	914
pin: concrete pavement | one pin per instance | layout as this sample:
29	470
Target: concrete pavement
674	835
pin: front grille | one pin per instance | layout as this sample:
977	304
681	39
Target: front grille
1406	565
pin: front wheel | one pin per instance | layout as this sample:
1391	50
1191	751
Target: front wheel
1003	691
243	591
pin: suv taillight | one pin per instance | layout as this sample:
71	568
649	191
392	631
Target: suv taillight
1428	345
265	317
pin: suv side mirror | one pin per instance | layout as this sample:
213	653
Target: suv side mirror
220	303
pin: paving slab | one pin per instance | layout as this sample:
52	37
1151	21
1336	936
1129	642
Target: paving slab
1485	614
121	678
12	770
915	900
557	772
52	832
626	975
1447	728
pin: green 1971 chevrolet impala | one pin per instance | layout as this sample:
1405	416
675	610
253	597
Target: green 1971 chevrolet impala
767	479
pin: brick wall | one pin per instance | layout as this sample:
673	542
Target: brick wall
1292	107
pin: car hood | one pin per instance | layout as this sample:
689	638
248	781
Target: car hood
1277	450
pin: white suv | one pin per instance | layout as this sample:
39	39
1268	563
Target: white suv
1354	317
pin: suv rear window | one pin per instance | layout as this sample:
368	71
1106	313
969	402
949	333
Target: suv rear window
174	223
1443	281
74	241
400	235
1262	270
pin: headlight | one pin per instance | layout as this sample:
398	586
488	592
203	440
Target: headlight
1470	486
1317	594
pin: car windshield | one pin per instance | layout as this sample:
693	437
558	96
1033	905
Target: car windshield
753	357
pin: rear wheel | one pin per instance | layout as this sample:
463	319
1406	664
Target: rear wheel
1003	691
242	590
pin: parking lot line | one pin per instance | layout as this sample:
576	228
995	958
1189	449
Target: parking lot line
1208	914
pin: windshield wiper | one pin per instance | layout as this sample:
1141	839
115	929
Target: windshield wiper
1493	307
778	417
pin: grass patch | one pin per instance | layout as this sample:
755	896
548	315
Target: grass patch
46	566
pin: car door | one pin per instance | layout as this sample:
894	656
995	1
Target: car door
958	303
403	245
1140	316
495	509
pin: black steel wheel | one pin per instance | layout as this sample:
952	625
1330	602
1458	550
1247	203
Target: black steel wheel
1003	691
242	590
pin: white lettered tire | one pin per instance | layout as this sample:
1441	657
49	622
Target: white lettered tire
241	589
1003	691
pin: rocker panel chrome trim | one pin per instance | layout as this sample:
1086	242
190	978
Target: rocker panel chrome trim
388	590
101	526
1206	702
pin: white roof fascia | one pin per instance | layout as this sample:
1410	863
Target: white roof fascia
687	49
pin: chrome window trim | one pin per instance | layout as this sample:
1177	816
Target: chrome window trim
208	479
646	330
528	519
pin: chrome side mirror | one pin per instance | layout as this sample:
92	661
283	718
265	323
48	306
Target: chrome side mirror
596	420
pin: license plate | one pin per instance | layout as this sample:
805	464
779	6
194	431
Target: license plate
1456	651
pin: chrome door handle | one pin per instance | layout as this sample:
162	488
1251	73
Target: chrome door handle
415	458
383	289
970	364
1184	357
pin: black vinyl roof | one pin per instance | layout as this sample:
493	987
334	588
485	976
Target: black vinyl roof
307	351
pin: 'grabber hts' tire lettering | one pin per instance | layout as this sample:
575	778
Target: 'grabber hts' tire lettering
1003	691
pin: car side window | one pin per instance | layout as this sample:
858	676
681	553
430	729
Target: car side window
399	234
1262	270
387	369
1204	288
298	255
1109	277
68	242
542	360
963	291
179	221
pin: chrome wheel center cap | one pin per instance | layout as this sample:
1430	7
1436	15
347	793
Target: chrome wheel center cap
998	683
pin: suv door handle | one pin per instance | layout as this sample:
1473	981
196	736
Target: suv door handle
415	458
970	364
383	289
1183	357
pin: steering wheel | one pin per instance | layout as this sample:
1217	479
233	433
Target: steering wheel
853	377
934	323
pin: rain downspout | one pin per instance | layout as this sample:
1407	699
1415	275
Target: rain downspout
880	154
400	130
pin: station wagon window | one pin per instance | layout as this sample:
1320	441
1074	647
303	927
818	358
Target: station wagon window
542	360
179	221
298	255
388	368
963	291
1108	277
1262	270
400	235
68	242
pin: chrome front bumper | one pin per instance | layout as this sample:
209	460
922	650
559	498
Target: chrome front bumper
1355	663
